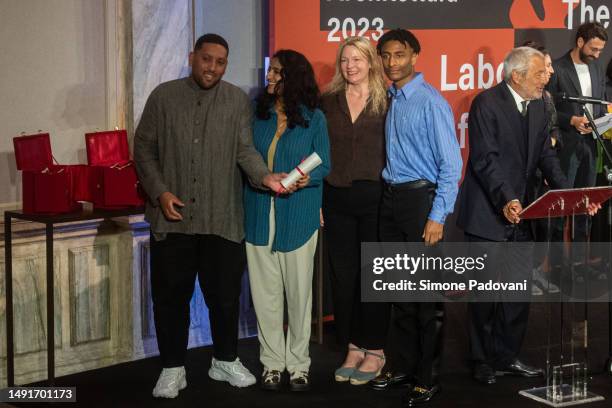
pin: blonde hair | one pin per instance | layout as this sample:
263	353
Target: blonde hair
377	99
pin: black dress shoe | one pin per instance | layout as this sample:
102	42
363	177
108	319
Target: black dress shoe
420	395
483	373
390	379
520	369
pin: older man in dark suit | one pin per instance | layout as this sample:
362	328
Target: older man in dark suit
508	142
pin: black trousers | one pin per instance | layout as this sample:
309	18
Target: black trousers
497	329
415	334
219	265
579	167
351	217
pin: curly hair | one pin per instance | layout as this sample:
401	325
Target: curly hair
588	31
401	35
296	88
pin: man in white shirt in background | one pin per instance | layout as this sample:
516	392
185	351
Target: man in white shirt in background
578	73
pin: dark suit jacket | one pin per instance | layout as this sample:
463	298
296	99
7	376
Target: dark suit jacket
498	169
565	80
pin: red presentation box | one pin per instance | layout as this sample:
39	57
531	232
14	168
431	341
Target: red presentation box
47	187
115	183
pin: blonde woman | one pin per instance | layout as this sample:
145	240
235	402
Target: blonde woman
355	105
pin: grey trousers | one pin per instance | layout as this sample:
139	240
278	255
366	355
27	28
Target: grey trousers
273	274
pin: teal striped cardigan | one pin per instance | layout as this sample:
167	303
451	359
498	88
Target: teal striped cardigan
297	214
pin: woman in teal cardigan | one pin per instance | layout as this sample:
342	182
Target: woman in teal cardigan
281	230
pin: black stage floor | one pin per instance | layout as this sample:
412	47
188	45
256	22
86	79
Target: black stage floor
130	385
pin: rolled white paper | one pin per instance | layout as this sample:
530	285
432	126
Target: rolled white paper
305	167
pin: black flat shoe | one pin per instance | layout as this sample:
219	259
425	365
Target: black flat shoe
389	379
484	374
520	369
420	395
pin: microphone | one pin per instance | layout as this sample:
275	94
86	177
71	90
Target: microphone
583	100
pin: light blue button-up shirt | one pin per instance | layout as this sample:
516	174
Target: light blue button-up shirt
422	144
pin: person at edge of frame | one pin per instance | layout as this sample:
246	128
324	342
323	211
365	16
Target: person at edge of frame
193	140
509	140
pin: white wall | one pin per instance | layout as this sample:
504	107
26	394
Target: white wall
52	78
55	75
161	38
240	23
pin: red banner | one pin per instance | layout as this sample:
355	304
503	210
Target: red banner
463	42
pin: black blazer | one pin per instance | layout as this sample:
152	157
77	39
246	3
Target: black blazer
498	169
565	80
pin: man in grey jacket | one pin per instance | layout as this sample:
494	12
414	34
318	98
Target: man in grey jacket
192	141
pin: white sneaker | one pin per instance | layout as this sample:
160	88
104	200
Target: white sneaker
231	371
548	286
535	290
170	382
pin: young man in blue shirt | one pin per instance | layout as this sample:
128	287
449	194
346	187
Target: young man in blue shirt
422	173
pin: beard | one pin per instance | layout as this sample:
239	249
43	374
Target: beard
585	57
204	83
